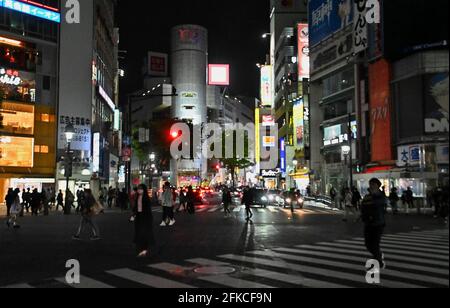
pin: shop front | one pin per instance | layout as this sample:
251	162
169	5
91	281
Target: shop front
270	179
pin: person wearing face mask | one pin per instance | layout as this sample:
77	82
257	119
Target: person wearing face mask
143	223
373	216
167	203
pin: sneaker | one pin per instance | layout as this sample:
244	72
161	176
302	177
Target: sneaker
95	238
163	224
76	238
172	222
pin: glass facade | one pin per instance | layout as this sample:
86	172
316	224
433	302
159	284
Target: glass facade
16	118
338	82
16	152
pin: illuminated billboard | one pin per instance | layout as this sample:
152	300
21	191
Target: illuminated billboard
299	125
267	98
35	9
158	64
219	74
303	51
16	152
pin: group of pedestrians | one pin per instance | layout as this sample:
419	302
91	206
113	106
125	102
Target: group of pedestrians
187	200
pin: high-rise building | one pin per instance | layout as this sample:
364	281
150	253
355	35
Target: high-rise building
189	59
28	93
88	75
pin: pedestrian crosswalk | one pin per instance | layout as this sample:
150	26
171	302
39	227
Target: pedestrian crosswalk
269	209
337	264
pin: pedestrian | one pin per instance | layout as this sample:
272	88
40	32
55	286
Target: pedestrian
111	195
23	203
35	202
183	200
226	199
27	200
356	198
373	216
247	200
167	203
87	213
143	223
333	195
348	204
52	198
308	191
59	201
45	201
123	199
9	199
190	200
393	200
445	205
437	201
15	210
409	200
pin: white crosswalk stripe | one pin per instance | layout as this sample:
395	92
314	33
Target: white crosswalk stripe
387	283
412	244
361	260
419	238
399	245
338	264
18	286
86	283
148	280
391	256
238	209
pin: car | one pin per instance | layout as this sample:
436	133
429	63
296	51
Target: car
291	199
198	196
272	197
260	197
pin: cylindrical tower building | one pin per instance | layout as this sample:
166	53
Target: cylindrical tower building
189	68
189	59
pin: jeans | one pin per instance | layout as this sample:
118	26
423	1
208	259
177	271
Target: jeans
87	221
373	235
248	211
168	213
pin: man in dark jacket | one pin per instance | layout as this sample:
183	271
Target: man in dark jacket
372	209
9	199
247	200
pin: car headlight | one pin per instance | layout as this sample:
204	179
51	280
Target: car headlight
264	199
301	200
271	198
278	199
288	200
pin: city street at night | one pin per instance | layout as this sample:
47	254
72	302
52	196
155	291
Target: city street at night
238	147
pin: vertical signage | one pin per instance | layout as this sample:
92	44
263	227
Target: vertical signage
283	155
96	153
303	52
360	30
257	136
267	98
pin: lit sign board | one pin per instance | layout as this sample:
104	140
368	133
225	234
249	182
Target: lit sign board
157	64
283	155
106	97
269	141
96	151
218	74
35	9
268	120
336	135
117	120
10	77
267	98
303	51
4	40
269	173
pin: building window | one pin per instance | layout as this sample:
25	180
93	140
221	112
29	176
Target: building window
16	118
43	149
46	83
45	118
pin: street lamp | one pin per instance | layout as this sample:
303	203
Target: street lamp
266	35
69	132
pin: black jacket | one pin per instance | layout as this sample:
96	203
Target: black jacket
372	209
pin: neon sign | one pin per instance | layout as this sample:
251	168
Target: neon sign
33	10
10	77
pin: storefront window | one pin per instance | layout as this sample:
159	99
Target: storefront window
17	86
17	55
16	118
16	152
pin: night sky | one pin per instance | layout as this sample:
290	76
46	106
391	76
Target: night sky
235	28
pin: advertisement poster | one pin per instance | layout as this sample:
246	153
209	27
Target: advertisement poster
436	104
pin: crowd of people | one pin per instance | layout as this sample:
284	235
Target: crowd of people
350	200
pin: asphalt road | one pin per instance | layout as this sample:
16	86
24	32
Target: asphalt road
310	248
